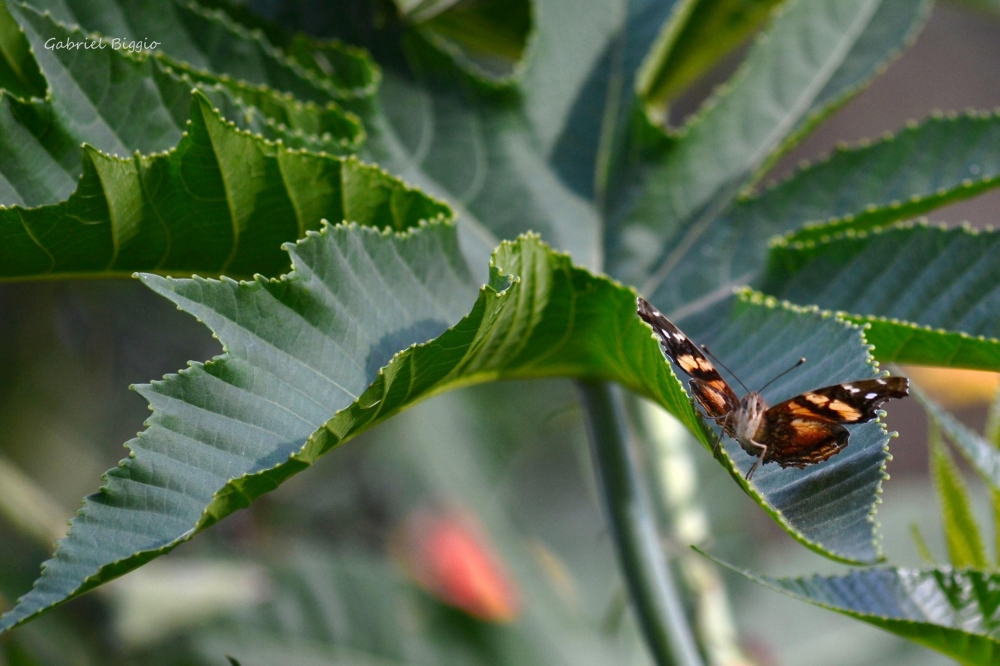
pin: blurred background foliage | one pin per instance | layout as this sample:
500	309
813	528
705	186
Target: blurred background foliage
356	561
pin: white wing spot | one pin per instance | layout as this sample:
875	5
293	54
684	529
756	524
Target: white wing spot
880	381
850	387
869	396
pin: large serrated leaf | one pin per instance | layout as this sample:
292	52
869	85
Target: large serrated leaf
207	40
925	166
538	157
930	294
40	157
508	164
951	611
812	58
301	350
221	201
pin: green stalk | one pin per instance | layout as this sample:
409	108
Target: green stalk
671	474
28	507
633	524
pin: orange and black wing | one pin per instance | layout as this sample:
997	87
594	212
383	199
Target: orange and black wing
709	388
807	428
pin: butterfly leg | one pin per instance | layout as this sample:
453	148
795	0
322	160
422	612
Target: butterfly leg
718	445
718	440
760	459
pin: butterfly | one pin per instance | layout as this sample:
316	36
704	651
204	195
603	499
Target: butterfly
800	431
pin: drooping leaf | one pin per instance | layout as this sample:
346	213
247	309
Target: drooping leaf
221	201
965	545
301	350
930	294
953	612
813	57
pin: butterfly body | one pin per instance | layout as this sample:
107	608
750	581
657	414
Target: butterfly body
746	421
803	430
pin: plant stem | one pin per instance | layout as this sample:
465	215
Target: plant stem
28	507
633	525
669	450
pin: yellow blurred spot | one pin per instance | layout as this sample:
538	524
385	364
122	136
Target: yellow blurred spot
956	388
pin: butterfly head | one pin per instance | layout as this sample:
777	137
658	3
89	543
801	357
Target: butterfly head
747	418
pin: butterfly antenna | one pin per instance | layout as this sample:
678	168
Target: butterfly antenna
716	359
800	362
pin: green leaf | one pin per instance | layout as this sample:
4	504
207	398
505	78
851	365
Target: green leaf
965	545
19	72
992	434
222	201
301	350
953	612
925	166
979	452
813	57
487	38
40	156
507	163
206	40
921	544
873	184
702	34
929	294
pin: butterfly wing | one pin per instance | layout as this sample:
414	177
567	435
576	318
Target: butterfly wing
796	440
808	428
709	388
